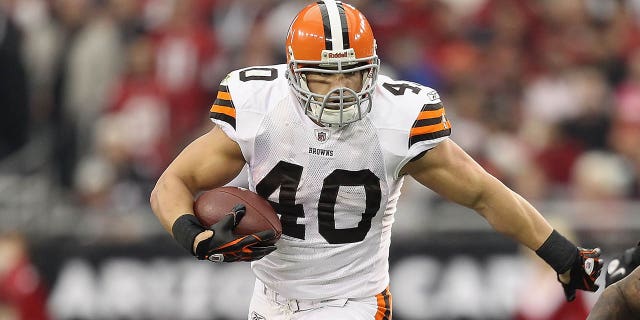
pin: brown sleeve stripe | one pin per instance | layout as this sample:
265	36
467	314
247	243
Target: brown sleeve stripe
225	103
427	122
226	114
432	106
226	118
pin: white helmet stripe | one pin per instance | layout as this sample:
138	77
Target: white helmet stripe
345	26
335	22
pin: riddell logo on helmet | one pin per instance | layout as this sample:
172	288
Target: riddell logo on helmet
338	55
333	56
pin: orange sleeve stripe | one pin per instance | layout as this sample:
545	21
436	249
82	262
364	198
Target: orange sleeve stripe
381	307
430	114
224	95
383	311
224	110
430	129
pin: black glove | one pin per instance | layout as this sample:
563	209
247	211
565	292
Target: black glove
583	273
227	247
621	265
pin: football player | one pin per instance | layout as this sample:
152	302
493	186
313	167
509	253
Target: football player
621	298
327	141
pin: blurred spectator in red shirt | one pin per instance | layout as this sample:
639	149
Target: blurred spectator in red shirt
22	291
132	138
135	132
186	50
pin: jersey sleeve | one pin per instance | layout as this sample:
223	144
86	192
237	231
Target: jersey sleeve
230	112
411	119
223	110
431	125
243	99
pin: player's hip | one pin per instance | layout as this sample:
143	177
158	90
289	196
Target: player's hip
323	280
267	304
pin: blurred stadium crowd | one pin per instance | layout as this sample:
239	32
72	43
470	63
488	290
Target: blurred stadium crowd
99	95
545	94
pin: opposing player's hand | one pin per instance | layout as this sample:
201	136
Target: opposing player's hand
583	273
224	246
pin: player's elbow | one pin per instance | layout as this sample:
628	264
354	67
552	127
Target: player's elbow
153	199
496	204
491	212
486	211
480	201
480	189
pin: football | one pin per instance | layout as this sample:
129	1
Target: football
214	204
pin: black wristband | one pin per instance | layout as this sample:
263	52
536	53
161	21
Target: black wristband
558	252
185	229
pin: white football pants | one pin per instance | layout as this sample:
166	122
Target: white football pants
267	304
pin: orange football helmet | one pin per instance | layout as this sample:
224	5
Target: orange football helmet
329	37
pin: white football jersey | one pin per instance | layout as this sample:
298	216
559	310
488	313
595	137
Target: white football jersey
335	189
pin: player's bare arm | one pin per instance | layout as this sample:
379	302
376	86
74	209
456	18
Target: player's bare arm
452	173
210	161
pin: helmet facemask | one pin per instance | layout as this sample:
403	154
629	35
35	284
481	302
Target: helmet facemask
339	106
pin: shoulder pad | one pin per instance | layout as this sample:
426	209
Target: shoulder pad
241	86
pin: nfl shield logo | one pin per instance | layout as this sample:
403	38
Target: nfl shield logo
322	135
256	316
